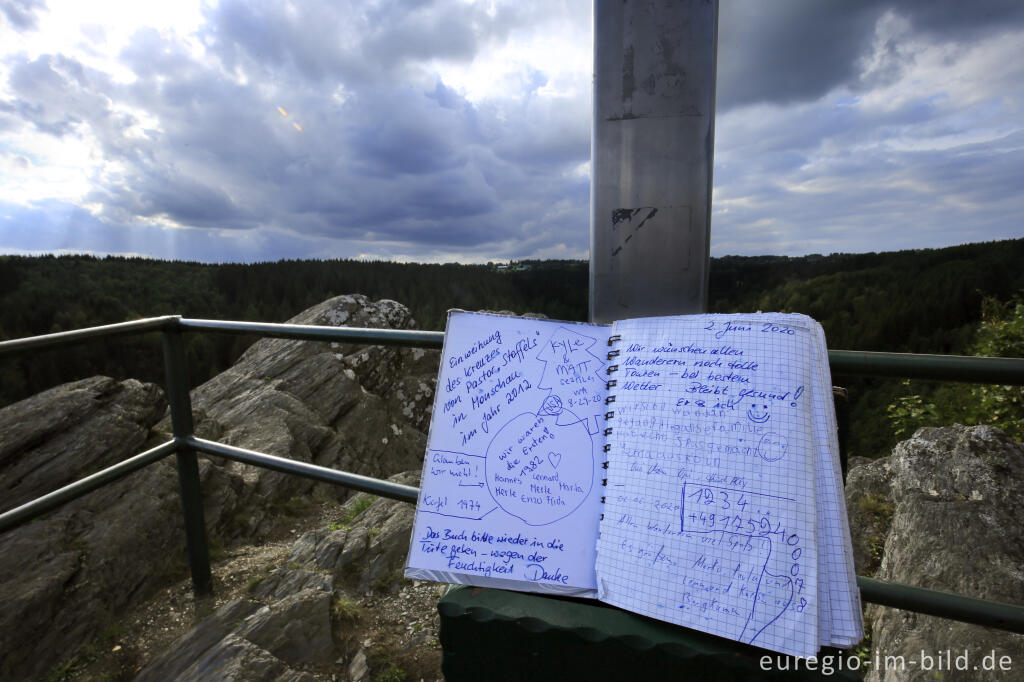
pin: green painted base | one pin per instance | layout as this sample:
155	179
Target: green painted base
490	634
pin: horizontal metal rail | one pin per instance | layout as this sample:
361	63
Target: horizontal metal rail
991	614
1005	371
309	332
947	368
931	602
74	336
41	505
366	484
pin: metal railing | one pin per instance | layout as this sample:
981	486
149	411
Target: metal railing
185	444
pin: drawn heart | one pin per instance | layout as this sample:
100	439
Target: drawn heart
555	458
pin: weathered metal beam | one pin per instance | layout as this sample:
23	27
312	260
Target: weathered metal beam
652	155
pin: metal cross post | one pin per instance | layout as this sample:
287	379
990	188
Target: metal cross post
652	152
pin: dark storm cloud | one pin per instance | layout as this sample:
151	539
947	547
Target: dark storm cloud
549	132
179	198
158	175
796	50
22	14
788	49
354	41
387	162
383	162
403	130
861	182
378	155
53	93
453	30
388	159
953	19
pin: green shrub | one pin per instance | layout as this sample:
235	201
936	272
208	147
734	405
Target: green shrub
999	334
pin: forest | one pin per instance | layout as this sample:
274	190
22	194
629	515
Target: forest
921	301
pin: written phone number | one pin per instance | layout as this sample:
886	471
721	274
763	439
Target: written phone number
760	526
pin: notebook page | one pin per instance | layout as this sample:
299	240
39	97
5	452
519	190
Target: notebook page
709	516
846	622
510	492
816	394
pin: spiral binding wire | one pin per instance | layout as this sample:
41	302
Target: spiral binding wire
608	401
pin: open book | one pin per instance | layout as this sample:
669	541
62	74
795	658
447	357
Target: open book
684	468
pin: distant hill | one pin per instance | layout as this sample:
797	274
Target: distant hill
911	301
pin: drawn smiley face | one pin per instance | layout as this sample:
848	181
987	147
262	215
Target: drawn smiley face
758	413
772	447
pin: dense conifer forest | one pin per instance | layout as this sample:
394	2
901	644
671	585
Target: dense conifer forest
923	301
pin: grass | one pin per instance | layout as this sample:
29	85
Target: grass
383	582
880	510
386	669
387	581
390	673
297	505
360	504
256	580
86	654
876	505
344	609
216	548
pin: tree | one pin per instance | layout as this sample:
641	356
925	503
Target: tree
999	334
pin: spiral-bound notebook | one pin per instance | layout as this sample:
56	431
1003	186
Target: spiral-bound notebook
684	468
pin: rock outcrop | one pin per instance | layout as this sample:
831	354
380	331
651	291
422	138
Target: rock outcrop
73	430
353	407
328	612
945	511
65	577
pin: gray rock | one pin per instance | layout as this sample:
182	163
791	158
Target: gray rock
945	511
289	625
194	646
286	624
329	548
358	670
347	406
283	582
63	578
60	435
239	660
304	548
376	543
295	629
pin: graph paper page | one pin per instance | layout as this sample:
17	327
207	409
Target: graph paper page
710	517
844	624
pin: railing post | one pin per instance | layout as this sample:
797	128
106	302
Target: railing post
188	469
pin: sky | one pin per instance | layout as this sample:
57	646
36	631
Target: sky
453	130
